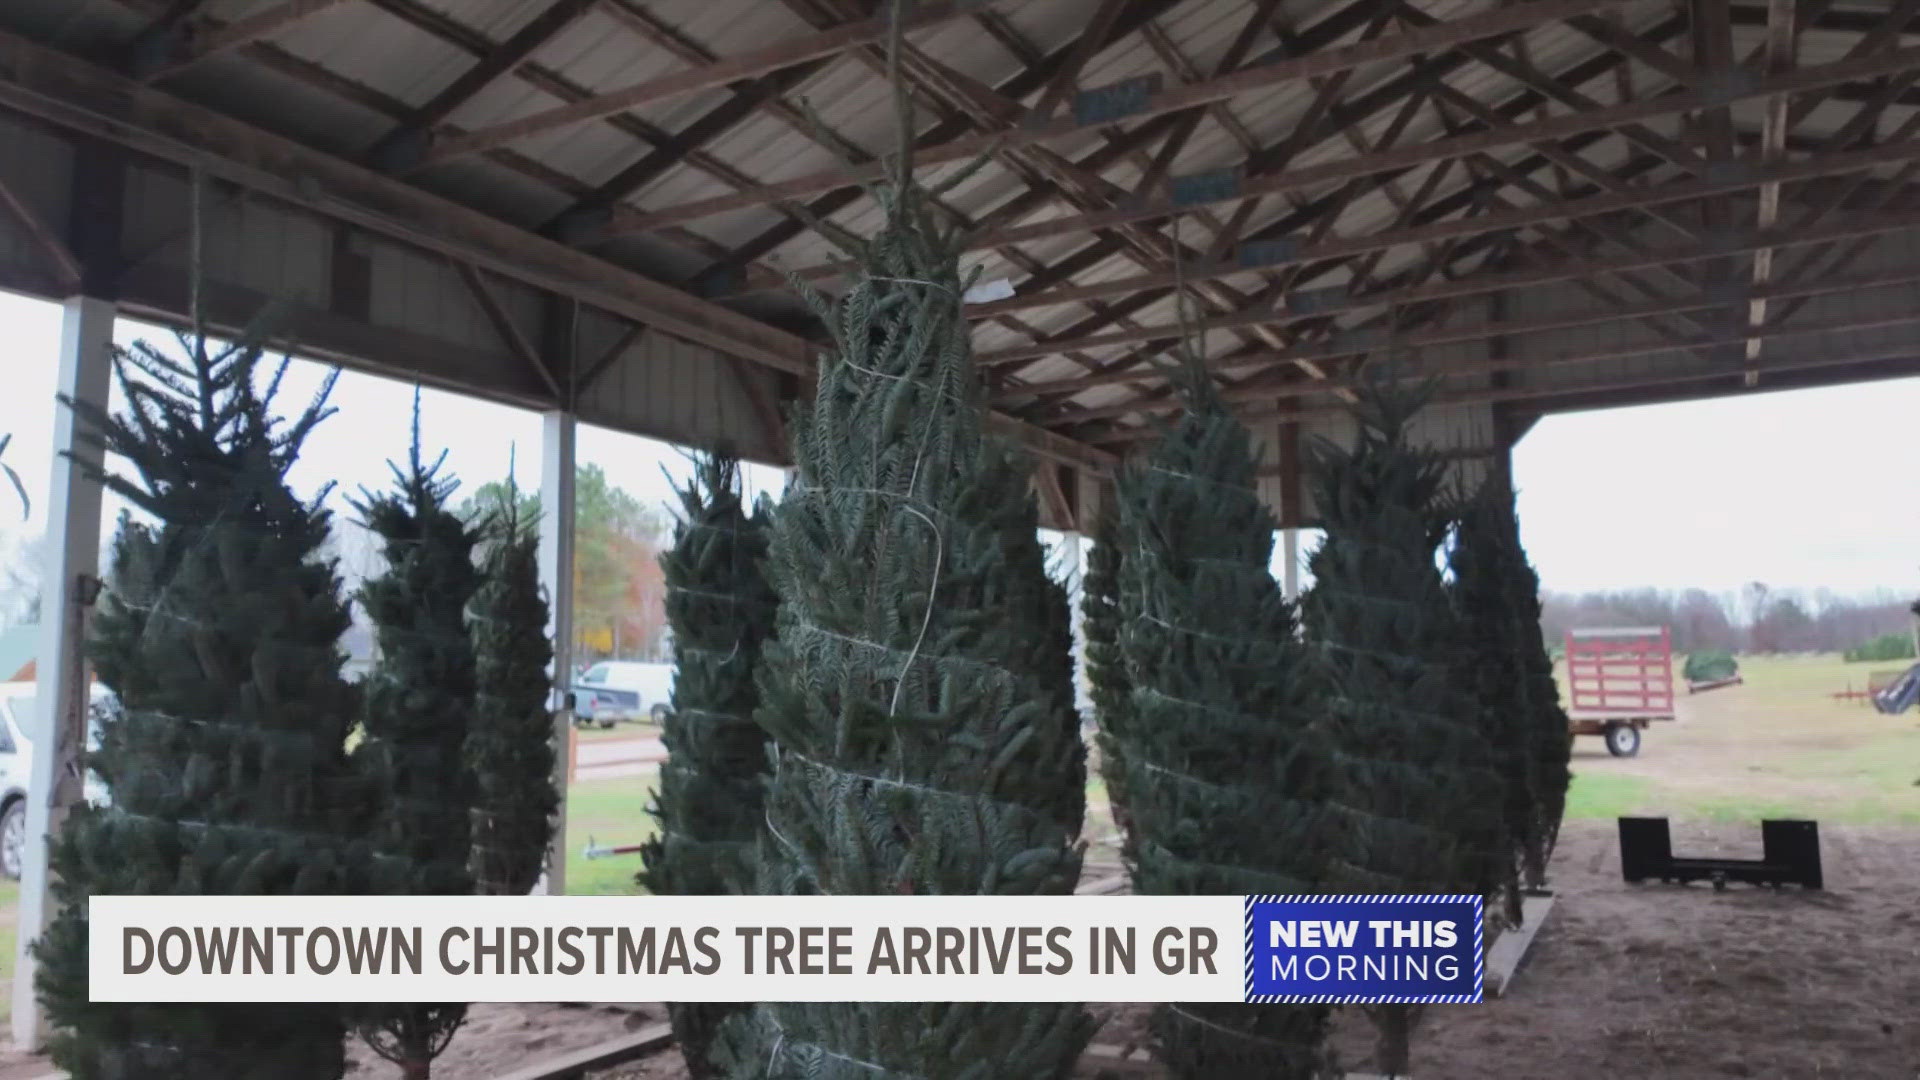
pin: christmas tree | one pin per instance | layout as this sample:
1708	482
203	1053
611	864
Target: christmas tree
510	746
419	701
925	738
1549	736
1493	667
226	768
1229	778
1418	777
709	806
1107	668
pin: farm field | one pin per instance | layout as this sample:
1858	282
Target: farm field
1778	746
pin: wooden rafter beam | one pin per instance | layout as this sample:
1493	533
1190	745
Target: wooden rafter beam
704	77
69	92
1383	340
1782	40
1805	78
586	219
62	267
408	139
1172	99
1907	356
248	28
1517	218
1029	79
505	328
1358	341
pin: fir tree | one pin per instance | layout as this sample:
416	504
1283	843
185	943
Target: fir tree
1418	778
226	768
925	738
1107	668
510	747
419	701
1493	668
709	806
1228	768
1549	736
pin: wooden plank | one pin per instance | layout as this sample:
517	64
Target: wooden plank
575	1063
1510	948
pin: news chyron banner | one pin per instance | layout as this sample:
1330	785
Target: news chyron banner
1272	949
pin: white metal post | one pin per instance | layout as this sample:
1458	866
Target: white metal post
58	726
1072	577
1290	562
556	576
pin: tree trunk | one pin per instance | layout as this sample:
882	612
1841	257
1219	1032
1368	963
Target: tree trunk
1393	1048
419	1068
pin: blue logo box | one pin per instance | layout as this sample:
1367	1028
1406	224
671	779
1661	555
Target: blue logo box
1364	949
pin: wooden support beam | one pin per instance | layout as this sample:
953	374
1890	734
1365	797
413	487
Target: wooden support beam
1495	23
1385	340
1266	391
719	73
241	31
410	137
63	269
1286	254
1895	360
1559	127
69	92
506	329
592	372
1781	42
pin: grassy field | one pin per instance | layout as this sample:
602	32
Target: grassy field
1778	746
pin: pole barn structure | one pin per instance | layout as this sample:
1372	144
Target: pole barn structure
593	208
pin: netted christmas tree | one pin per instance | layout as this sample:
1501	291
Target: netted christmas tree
926	743
1424	799
1107	683
1548	735
510	746
1493	669
1229	778
712	785
419	702
226	768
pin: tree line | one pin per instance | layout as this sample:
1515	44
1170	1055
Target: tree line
1755	619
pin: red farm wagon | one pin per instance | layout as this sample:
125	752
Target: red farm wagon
1619	681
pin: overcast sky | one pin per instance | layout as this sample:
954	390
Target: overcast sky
1806	489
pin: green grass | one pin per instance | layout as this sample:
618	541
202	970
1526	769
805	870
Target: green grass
9	937
614	813
1606	795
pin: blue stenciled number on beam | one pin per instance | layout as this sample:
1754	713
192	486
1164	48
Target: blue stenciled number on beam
1115	102
1268	252
1214	185
1315	301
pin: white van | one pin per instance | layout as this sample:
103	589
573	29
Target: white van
615	690
16	766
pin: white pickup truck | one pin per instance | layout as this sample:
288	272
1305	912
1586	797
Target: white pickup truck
615	690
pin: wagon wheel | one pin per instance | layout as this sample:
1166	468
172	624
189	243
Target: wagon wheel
1623	740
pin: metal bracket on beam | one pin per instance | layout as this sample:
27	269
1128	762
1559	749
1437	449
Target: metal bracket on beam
400	151
1116	102
580	224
